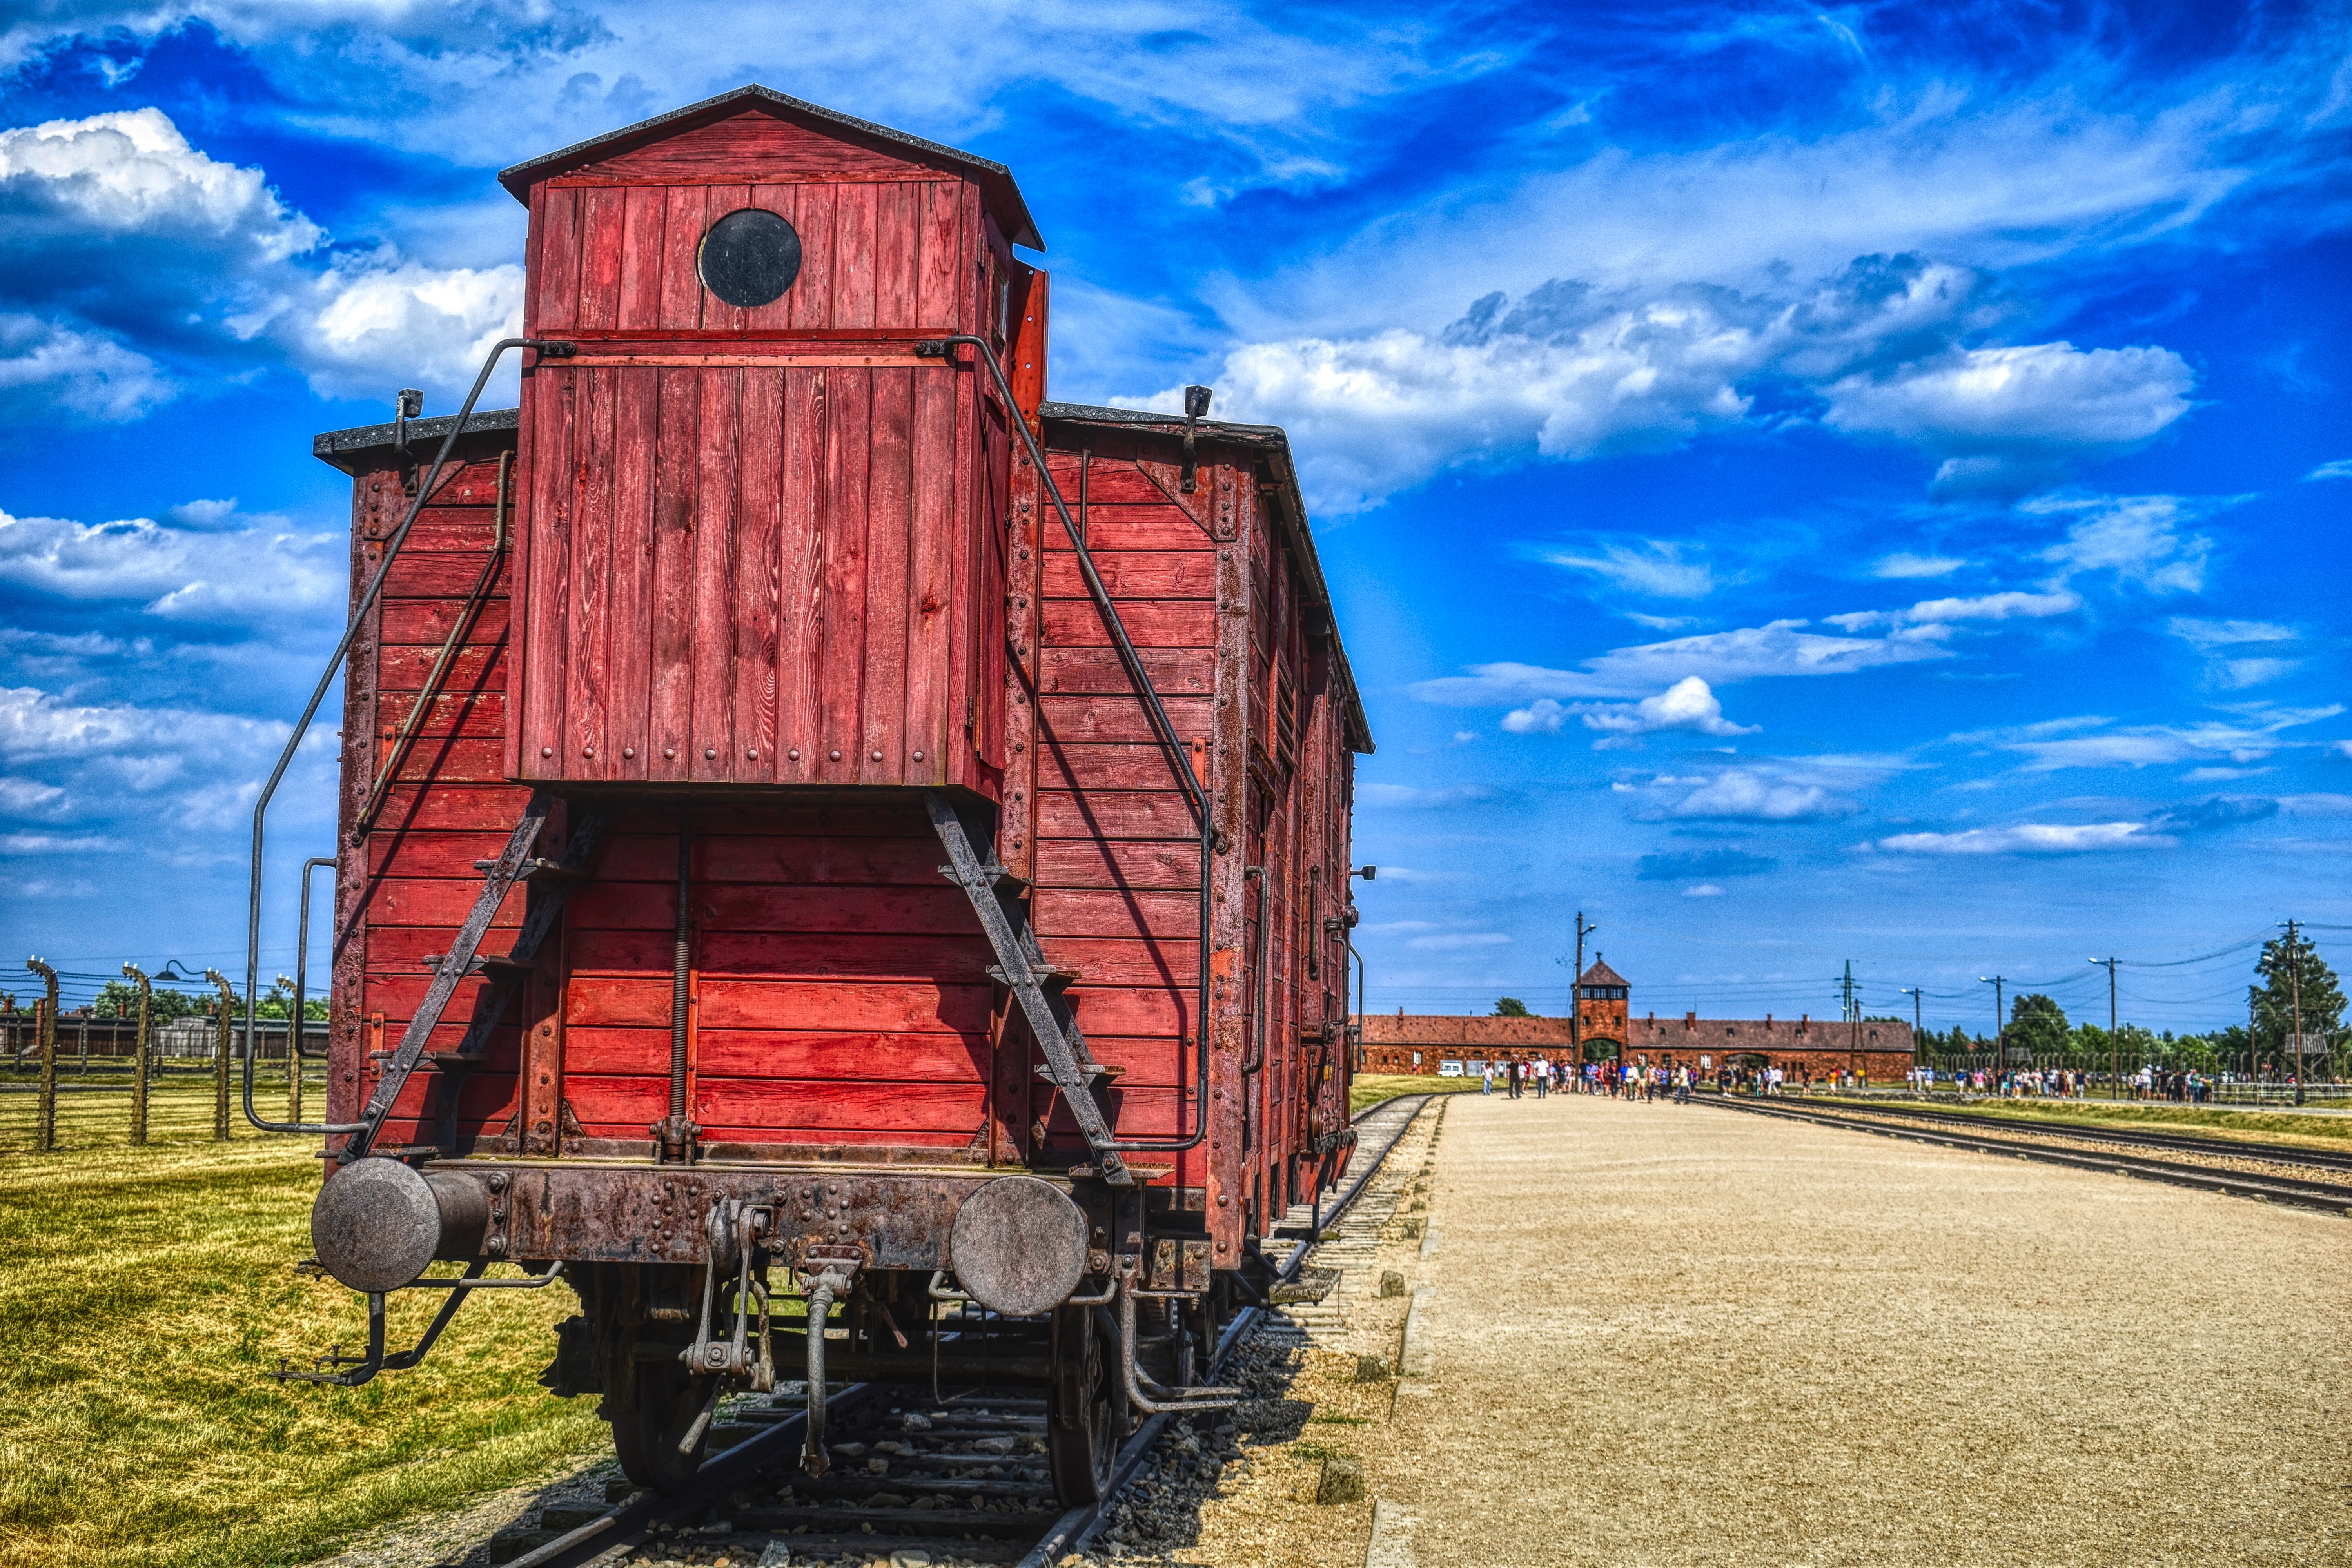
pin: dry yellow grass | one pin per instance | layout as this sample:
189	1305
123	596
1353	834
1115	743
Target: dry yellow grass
1371	1089
144	1296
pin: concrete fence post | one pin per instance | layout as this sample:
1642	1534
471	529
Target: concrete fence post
220	1055
139	1051
45	1134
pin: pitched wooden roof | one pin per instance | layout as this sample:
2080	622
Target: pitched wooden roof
994	180
1601	975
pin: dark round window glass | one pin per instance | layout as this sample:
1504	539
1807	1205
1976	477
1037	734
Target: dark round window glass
750	258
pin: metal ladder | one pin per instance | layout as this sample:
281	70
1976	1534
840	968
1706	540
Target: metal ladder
1040	987
505	972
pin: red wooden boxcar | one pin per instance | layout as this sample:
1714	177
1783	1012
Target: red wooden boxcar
775	812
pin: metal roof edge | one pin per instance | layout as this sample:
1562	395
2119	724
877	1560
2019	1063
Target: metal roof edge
1275	442
1022	229
341	449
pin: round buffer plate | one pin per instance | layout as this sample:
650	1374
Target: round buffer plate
1019	1246
375	1225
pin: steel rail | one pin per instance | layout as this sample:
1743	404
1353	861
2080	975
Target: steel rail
611	1536
2183	1142
1075	1531
2323	1195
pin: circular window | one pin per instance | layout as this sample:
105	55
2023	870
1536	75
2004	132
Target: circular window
750	258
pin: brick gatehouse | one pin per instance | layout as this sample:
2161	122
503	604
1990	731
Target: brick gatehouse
1423	1043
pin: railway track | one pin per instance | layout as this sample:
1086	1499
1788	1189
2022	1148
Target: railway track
916	1478
2017	1141
2181	1143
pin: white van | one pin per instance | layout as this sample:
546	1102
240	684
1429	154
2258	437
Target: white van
1449	1070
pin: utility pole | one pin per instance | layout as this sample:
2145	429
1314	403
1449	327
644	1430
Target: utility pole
1999	1023
1576	994
2114	1039
1917	1030
2295	994
1853	1022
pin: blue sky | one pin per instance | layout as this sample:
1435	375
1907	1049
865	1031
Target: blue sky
1800	485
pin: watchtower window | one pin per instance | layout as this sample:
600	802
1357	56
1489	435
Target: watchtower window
1603	993
749	257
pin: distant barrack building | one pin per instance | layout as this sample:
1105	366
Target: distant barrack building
1881	1049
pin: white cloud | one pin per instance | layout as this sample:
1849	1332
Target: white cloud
2148	745
1903	563
1409	795
2339	469
1687	705
2237	671
1748	794
35	844
2005	420
29	797
2239	674
45	367
1777	649
1455	941
2205	634
132	173
1653	566
439	322
37	726
2026	837
1703	890
226	565
118	220
2006	606
2141	540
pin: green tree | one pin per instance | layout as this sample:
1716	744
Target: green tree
121	998
1511	1007
2275	997
2038	1025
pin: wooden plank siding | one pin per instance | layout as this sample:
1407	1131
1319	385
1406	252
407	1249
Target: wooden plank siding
764	543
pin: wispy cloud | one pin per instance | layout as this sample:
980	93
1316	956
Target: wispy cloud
1904	564
2027	838
1777	649
1661	568
2090	743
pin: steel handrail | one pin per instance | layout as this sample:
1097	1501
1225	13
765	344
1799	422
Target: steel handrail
294	1024
1195	793
548	350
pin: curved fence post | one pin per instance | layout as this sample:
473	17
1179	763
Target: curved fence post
45	1134
220	1057
139	1049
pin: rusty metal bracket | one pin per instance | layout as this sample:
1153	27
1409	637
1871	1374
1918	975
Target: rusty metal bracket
830	1278
1196	408
349	1371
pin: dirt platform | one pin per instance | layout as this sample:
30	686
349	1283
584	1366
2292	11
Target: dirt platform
1654	1336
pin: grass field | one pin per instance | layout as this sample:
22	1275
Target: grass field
2253	1126
145	1294
1371	1089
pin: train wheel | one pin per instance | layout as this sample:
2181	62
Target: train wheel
650	1406
1082	1429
